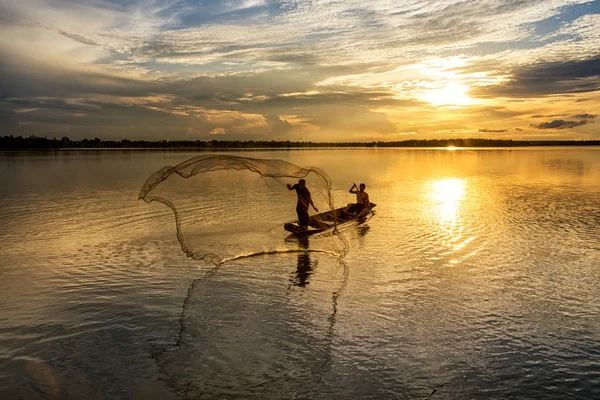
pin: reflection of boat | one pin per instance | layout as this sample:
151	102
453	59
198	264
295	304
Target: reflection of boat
327	220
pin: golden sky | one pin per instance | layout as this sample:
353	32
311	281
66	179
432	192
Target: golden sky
319	70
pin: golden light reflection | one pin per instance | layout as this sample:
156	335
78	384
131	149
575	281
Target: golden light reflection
449	193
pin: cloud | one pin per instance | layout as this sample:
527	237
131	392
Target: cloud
217	131
585	27
257	68
559	124
353	31
492	130
564	124
550	78
246	106
278	126
547	116
585	116
78	38
336	120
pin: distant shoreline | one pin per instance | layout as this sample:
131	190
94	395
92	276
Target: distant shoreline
43	143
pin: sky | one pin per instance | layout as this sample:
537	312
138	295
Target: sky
321	70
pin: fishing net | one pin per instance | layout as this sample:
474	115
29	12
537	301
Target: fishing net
254	329
227	207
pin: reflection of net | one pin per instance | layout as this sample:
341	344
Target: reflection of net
258	330
229	206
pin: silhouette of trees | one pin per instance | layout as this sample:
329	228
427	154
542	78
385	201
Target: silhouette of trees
43	143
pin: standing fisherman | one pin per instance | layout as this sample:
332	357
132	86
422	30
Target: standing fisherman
304	201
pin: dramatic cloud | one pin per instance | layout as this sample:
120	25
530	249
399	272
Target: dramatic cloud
566	77
284	69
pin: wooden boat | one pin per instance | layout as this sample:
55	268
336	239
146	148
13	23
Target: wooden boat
327	220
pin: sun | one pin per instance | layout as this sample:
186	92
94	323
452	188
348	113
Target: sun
452	94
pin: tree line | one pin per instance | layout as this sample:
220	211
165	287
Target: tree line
42	143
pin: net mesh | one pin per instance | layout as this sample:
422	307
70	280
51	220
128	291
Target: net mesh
227	206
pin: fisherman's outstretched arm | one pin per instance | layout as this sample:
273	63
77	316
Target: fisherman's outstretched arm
354	189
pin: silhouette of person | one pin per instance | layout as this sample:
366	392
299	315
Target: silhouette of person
303	270
362	199
304	201
304	265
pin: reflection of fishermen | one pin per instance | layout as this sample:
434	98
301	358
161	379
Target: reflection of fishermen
362	199
303	270
304	201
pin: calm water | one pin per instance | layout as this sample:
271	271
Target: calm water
478	277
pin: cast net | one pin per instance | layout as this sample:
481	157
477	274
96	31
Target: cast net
227	207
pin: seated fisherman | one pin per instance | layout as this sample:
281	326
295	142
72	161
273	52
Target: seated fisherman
362	199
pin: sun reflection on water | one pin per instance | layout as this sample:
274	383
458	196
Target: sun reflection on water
448	196
448	193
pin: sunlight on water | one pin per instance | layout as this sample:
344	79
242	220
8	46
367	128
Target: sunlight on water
448	193
449	196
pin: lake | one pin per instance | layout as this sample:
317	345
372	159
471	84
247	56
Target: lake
477	277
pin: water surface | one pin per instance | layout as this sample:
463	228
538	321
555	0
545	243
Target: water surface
476	278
